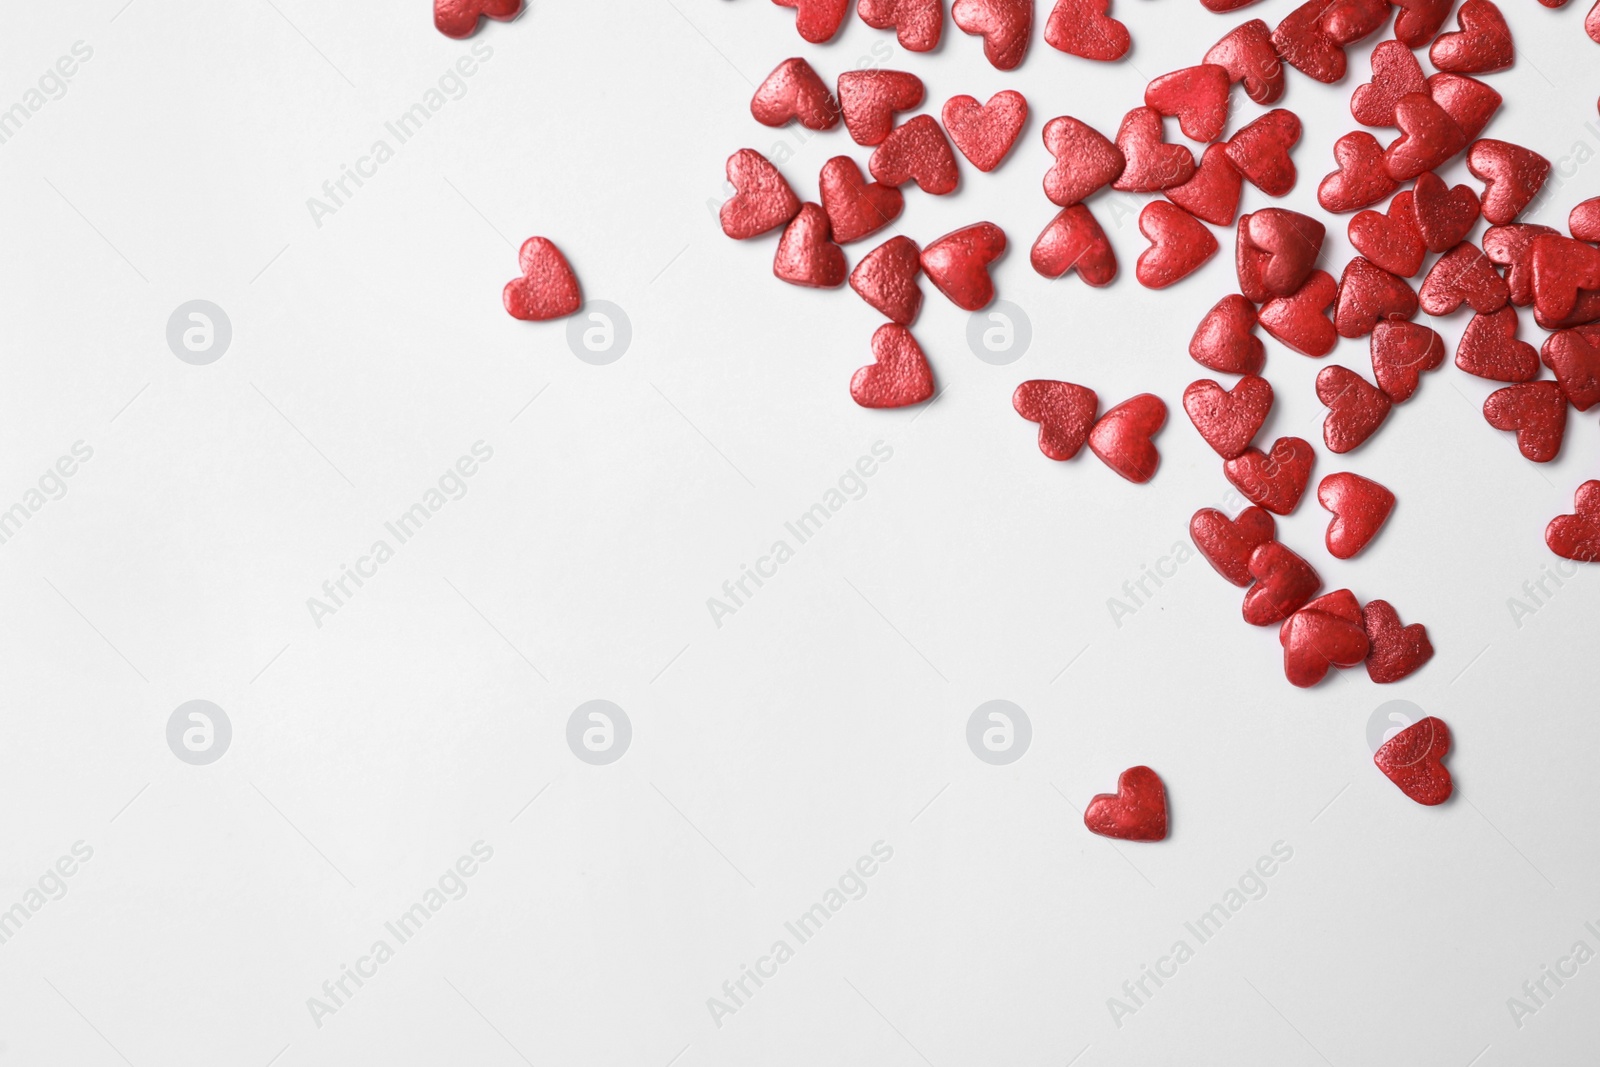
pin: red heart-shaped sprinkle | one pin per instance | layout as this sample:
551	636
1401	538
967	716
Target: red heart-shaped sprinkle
1390	241
817	20
1084	160
459	18
1428	137
1274	480
1463	274
1228	420
958	264
1225	339
1401	352
547	289
794	92
1562	269
1277	251
1444	215
1086	29
1469	102
918	23
1004	25
806	254
855	207
1413	760
1196	96
899	374
1075	241
1537	411
1577	536
1248	56
1482	45
1261	151
1512	247
1285	583
1356	408
886	278
1315	641
1303	43
1397	651
1064	411
1395	72
1419	20
1574	357
1368	295
1591	23
1122	437
1213	193
1489	349
869	99
917	151
1137	811
1300	320
762	200
1179	244
1152	164
984	133
1227	544
1348	21
1584	222
1512	176
1359	507
1360	179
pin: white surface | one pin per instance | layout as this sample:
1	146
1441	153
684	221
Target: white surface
829	713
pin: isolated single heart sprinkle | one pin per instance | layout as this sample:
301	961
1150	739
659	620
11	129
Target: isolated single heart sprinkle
1413	760
1419	20
1359	506
547	289
1444	215
1085	160
817	20
794	92
806	254
1179	244
1512	177
1360	179
762	199
1489	349
1137	811
1401	352
1261	151
1482	45
1124	437
1537	411
899	375
1075	241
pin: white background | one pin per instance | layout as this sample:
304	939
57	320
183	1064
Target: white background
829	713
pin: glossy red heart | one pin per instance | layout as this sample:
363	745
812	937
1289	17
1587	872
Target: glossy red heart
1574	358
1413	759
1512	177
1360	179
1314	641
1248	56
855	207
1004	25
547	289
1260	151
1512	247
1137	811
1444	215
1356	408
1482	45
1369	295
1300	320
1359	507
1276	252
1469	102
958	264
1075	241
1397	651
1395	72
806	253
1065	412
817	20
886	278
1274	480
917	151
1151	163
762	200
984	133
1228	420
1419	21
1196	96
1086	29
794	92
1584	221
459	18
1213	193
1303	43
1537	411
1225	339
1429	137
1401	353
1284	584
869	99
1084	160
1463	275
1489	349
1348	21
1123	437
1179	244
1390	241
1561	270
1227	544
1577	536
918	23
899	374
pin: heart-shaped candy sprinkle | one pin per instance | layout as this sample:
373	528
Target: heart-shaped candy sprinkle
1360	179
886	278
1413	759
794	92
806	253
1196	96
1390	241
1444	215
1086	29
1213	193
958	264
1463	275
1179	244
762	200
1137	811
1397	651
1277	251
1512	177
855	207
1368	295
1123	437
1004	25
1225	339
1274	480
1084	160
1577	536
869	99
1228	420
547	289
1429	137
1562	269
1489	349
1537	411
1303	43
984	133
1315	640
1584	221
1356	408
459	18
899	374
1075	241
1300	320
1482	45
1359	507
1395	72
1261	151
1227	544
1152	164
817	20
1285	583
1248	56
1065	413
1401	352
1469	102
1574	357
918	23
1419	20
917	151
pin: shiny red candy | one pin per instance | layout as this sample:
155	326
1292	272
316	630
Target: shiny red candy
1414	761
1463	275
1482	45
1489	349
1228	420
1303	43
917	151
958	264
1562	270
1179	244
1419	21
1347	21
762	200
1225	339
1284	584
855	207
547	289
794	92
1213	193
1065	413
1248	56
1086	29
806	253
1391	241
1584	221
1273	480
1469	102
1574	357
1075	241
1397	651
1361	179
1004	25
1395	72
1317	638
1084	160
1444	215
1512	177
1123	437
459	18
1356	408
1512	247
869	99
1277	251
1368	295
1401	352
1196	96
899	375
1227	544
1429	137
1137	811
1537	411
918	23
1577	536
1261	151
1151	164
817	20
1300	320
886	278
1359	507
984	133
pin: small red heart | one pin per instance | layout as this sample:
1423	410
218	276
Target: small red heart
1574	357
917	151
918	23
1285	583
1196	96
1179	244
1315	640
1065	413
1512	247
1356	408
795	92
869	99
1348	21
459	18
1483	44
1075	241
1004	25
1584	222
1463	274
1368	295
762	200
1444	215
1274	480
1122	437
1489	349
806	254
1261	151
1360	179
958	264
1395	72
1577	536
1562	269
1512	176
1300	320
1359	507
1277	251
1303	43
1137	811
1413	759
1397	651
1225	339
1390	241
1085	28
1419	20
1401	352
899	374
1537	411
1469	102
1247	54
1213	193
1151	164
1228	420
984	133
1429	137
855	207
1084	160
886	278
1228	543
547	289
817	20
